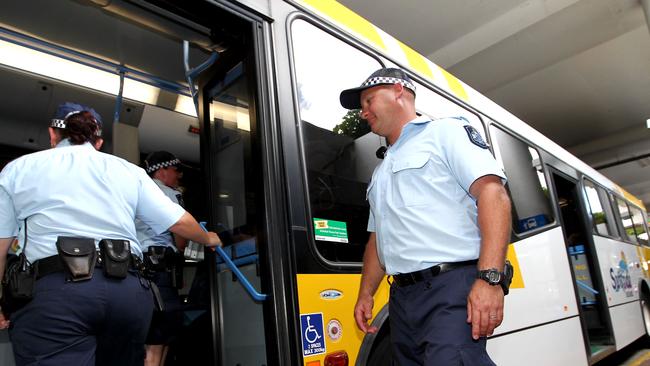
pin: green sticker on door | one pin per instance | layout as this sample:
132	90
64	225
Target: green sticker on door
330	230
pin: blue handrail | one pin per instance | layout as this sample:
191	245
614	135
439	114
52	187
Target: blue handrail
192	73
586	287
233	267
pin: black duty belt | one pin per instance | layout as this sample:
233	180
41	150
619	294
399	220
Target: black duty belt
407	279
52	264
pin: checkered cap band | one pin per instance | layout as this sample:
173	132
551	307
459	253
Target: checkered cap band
60	123
57	123
164	164
379	80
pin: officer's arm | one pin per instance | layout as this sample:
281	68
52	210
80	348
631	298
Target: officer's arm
485	302
371	277
494	220
180	242
5	243
187	227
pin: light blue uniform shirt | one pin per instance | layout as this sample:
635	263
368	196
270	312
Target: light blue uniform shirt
420	206
146	235
78	191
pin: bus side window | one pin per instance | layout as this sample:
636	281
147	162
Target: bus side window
626	221
339	149
435	106
639	225
601	210
531	206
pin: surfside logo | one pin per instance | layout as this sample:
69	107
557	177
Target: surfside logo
621	280
331	294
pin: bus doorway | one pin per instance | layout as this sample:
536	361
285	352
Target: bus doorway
587	282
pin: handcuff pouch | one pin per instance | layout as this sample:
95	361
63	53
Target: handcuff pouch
78	256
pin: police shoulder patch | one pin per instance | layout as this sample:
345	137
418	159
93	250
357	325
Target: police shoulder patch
475	137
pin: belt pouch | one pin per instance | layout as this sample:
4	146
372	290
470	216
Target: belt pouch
78	256
17	284
155	258
115	257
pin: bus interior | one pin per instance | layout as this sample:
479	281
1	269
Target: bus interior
127	61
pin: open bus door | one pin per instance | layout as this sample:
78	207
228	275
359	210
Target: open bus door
250	322
588	284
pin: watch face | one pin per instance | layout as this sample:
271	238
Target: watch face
493	277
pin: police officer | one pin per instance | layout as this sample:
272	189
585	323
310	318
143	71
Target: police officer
438	212
163	256
73	190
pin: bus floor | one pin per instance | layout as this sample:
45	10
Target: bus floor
635	354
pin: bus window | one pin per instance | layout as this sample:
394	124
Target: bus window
639	225
626	221
339	148
601	210
436	106
531	208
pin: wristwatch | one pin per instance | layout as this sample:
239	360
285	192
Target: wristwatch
493	277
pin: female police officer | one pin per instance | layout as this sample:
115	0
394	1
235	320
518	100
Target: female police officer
75	191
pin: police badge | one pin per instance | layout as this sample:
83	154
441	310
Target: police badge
475	137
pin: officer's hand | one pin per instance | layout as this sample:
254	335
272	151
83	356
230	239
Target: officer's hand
213	240
4	322
363	313
484	308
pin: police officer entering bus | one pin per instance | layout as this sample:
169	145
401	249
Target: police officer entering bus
75	209
163	257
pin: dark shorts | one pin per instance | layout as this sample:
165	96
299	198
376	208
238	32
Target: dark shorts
101	321
428	322
165	325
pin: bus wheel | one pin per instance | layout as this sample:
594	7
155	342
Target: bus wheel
381	354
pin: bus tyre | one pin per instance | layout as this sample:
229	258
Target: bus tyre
381	354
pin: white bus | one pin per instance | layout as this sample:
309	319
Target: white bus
280	170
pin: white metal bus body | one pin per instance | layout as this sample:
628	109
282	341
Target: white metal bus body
277	160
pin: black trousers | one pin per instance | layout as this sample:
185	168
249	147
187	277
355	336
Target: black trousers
102	321
428	322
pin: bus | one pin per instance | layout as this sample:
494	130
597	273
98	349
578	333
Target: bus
246	93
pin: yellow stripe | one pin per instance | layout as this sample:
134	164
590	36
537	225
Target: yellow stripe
644	255
455	85
517	278
349	19
631	197
417	61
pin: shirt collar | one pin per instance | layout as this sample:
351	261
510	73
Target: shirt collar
417	121
66	143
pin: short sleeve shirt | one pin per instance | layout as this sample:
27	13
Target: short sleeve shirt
146	235
420	205
78	191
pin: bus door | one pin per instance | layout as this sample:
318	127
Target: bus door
234	123
588	283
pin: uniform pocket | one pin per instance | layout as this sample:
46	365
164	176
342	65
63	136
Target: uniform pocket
411	180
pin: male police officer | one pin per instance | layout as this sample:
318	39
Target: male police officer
163	256
437	204
66	200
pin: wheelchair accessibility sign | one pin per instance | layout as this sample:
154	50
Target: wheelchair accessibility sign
313	338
